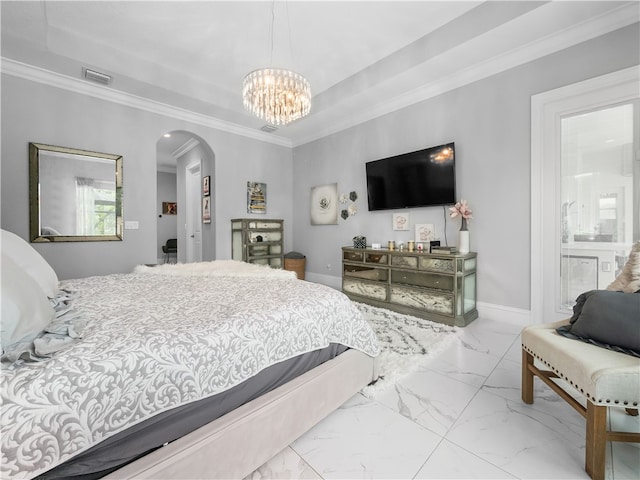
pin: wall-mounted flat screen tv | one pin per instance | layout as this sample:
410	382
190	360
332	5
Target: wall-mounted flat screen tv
418	179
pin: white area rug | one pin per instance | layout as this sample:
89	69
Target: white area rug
406	342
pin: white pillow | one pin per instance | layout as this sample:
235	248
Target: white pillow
26	310
34	264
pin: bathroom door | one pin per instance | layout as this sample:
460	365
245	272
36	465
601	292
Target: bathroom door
585	187
596	197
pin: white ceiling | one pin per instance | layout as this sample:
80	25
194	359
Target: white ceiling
362	58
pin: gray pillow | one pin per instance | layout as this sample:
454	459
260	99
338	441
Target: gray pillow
607	319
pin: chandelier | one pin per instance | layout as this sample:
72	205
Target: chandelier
276	95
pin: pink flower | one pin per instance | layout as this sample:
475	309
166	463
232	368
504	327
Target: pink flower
461	209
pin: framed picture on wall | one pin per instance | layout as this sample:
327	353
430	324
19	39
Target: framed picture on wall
401	221
324	204
256	197
205	186
169	208
206	209
425	232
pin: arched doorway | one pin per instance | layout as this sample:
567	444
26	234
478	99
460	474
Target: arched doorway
184	159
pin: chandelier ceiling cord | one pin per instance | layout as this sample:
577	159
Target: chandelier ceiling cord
276	95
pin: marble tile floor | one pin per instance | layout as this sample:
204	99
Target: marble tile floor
459	416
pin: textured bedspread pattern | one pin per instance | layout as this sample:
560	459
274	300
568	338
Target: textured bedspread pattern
154	342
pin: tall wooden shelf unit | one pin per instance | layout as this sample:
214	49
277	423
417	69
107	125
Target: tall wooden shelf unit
437	287
257	241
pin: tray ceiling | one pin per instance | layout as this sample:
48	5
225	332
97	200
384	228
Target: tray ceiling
363	58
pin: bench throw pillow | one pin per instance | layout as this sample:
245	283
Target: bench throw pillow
608	319
629	279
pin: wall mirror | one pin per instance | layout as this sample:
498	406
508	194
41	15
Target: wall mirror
74	195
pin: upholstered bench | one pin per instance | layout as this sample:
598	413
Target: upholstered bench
604	377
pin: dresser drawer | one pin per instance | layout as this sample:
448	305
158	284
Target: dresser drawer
260	236
366	272
262	249
410	261
265	224
445	265
377	291
422	279
430	300
275	262
353	256
379	258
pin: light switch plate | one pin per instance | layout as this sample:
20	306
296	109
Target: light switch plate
131	225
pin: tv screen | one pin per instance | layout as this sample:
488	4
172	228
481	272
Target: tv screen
417	179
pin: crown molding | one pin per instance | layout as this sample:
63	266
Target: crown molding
609	22
185	148
65	82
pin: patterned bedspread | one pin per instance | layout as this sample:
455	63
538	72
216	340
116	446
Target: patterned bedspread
154	342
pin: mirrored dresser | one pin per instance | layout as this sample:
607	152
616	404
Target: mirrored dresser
257	241
437	287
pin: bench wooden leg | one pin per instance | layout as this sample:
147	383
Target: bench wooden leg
527	377
596	440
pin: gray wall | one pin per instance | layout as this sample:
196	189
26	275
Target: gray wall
490	123
167	224
33	112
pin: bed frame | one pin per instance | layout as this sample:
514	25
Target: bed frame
238	443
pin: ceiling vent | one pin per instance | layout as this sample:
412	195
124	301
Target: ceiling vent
97	77
269	128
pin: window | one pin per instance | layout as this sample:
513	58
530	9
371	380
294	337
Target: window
96	207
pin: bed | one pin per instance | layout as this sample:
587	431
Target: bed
177	371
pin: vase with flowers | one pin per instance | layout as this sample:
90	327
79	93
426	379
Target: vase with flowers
462	210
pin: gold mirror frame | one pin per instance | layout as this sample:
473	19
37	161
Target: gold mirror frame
70	158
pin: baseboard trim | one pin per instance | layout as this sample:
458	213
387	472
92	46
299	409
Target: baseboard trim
501	313
328	280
